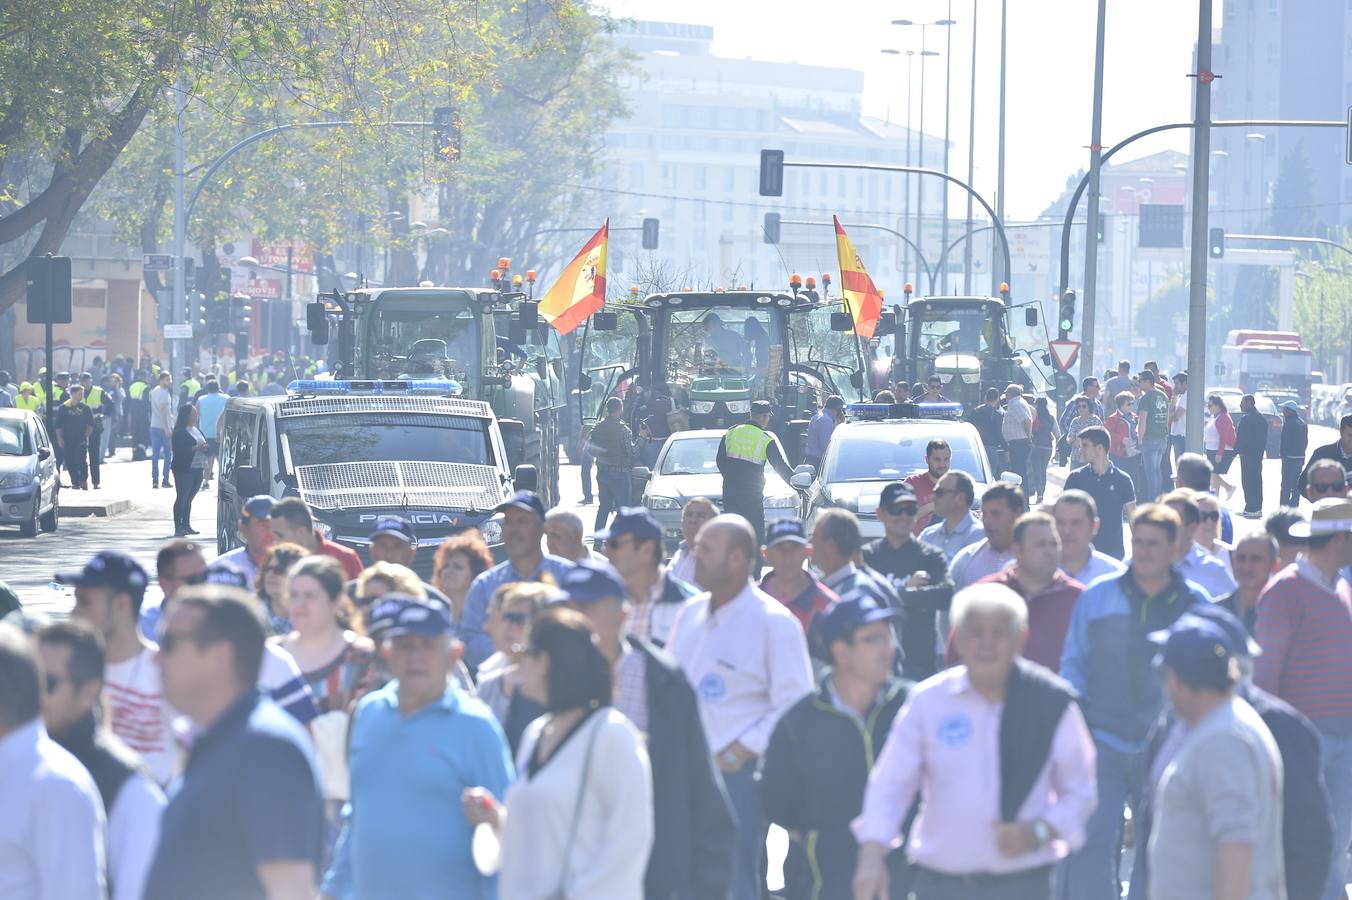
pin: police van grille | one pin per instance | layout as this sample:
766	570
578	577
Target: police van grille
397	484
359	403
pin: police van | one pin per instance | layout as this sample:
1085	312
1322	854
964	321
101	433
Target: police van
357	450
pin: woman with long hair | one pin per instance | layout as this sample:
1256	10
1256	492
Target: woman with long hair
1045	435
501	676
1218	440
578	821
459	560
190	459
270	586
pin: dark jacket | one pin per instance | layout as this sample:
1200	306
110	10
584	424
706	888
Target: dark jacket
920	635
111	762
744	478
1251	433
1295	436
812	784
694	836
1332	451
612	443
989	422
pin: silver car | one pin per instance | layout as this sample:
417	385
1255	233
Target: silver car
28	479
686	467
864	457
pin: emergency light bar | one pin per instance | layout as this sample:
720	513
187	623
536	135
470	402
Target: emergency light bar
439	387
865	412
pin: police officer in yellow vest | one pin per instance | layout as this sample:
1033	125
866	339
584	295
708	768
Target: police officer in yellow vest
742	455
59	384
94	399
189	387
27	399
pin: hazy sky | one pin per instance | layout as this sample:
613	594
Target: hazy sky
1049	81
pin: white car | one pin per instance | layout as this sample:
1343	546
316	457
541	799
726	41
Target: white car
687	467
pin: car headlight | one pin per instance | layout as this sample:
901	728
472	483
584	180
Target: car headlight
702	406
781	502
15	480
657	502
739	406
491	529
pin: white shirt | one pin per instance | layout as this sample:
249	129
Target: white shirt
682	565
1179	427
239	559
748	663
975	561
139	714
162	409
1207	572
51	821
133	836
1017	421
1098	565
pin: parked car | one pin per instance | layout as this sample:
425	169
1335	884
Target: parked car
686	468
29	486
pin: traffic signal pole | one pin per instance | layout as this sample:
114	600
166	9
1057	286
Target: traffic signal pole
1090	241
1201	159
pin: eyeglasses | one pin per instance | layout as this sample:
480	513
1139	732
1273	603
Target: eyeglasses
944	492
1210	516
169	640
614	543
1326	487
516	618
905	509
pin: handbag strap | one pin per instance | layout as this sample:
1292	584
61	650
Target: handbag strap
577	805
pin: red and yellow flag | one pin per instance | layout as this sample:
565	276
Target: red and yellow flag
862	299
581	288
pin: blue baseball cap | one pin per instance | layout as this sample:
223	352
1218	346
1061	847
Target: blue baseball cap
397	526
1290	404
223	573
527	500
588	582
1197	649
110	569
258	506
397	614
633	520
1240	642
782	530
843	618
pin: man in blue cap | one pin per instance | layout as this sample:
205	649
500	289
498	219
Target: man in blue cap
787	550
633	544
398	839
523	528
394	540
846	720
255	530
1294	440
692	846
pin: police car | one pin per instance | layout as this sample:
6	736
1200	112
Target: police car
879	443
357	450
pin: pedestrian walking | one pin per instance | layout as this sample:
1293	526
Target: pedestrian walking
293	523
820	428
1178	415
1120	381
459	560
1304	626
1152	430
1295	438
787	551
989	421
579	817
694	514
836	544
847	720
1325	478
1077	525
74	427
501	678
938	457
918	573
116	417
247	819
100	409
523	527
1200	568
1046	432
1017	430
950	748
1108	660
1208	535
746	656
1251	447
401	834
209	409
1339	451
694	829
1278	525
613	447
1082	419
742	456
563	537
73	661
255	531
52	826
1112	489
162	414
394	540
270	585
1218	440
1217	826
633	545
955	527
189	455
1001	505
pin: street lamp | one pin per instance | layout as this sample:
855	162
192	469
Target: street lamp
906	182
920	182
1261	140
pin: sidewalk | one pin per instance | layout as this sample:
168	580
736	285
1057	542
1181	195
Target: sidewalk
122	483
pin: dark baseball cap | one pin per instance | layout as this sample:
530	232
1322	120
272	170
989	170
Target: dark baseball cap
110	569
843	618
1197	649
1241	643
588	582
761	408
223	573
397	526
258	506
397	614
782	530
633	520
527	500
895	494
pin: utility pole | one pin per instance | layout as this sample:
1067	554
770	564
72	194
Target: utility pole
971	165
948	115
1201	158
179	311
920	157
1000	173
1092	217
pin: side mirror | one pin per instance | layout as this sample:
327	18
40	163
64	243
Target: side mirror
1030	316
805	468
584	381
320	336
315	316
841	321
887	324
606	321
1046	358
44	452
530	314
1011	478
525	478
642	473
801	480
857	379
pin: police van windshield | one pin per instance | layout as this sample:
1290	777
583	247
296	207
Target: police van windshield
354	437
431	337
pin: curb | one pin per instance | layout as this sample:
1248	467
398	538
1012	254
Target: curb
98	510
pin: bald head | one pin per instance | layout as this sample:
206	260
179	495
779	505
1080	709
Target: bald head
724	551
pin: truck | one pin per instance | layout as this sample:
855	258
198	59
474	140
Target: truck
489	340
1257	360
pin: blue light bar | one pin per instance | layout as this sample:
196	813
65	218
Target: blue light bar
939	410
870	411
907	409
323	386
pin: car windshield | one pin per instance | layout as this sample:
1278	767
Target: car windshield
691	456
429	338
357	437
14	439
721	340
884	454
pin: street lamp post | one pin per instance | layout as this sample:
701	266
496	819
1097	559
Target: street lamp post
920	161
971	164
948	23
1090	291
1000	166
1260	139
906	184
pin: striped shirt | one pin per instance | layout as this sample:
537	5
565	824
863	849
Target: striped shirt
1304	626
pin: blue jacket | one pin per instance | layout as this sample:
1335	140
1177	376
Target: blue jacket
1109	660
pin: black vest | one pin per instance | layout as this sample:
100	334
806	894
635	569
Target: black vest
107	758
1035	700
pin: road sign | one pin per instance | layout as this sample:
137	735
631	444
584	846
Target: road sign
1064	354
178	331
157	262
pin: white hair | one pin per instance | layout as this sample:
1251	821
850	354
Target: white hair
982	598
569	518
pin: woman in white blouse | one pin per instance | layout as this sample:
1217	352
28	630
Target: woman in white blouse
578	820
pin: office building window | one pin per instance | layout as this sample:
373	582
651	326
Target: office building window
730	180
701	177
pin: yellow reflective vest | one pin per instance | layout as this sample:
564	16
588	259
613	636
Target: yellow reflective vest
748	443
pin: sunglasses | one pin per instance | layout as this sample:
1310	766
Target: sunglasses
169	640
905	509
1210	516
516	618
1326	487
944	492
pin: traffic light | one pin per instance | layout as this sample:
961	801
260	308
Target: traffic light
217	317
239	314
772	173
650	234
223	277
1217	245
771	228
1066	320
241	345
445	134
48	297
189	273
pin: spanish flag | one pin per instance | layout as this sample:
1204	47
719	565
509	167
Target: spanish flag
862	299
581	288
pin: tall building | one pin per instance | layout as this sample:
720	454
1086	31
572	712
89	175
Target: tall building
689	156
